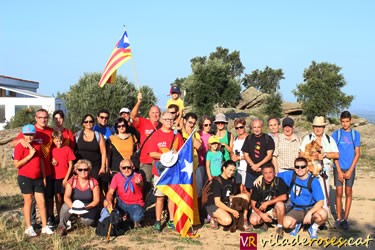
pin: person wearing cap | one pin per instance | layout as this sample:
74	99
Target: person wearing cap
286	147
128	185
329	153
175	93
214	158
162	141
225	137
145	128
81	188
125	113
31	178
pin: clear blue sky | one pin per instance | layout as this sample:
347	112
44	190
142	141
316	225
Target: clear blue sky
56	42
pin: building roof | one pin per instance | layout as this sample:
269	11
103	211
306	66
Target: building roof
24	92
18	79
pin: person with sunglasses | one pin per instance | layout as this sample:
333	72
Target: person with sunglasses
174	110
90	145
102	125
129	188
306	200
237	154
225	137
84	188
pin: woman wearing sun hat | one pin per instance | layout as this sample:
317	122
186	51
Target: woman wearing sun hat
225	137
84	188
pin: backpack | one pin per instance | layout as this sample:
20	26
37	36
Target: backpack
91	183
265	193
339	136
206	190
97	136
309	188
327	136
106	218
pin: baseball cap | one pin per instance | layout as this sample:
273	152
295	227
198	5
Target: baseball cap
28	129
287	121
175	89
124	110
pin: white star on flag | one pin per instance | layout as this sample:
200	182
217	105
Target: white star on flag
188	168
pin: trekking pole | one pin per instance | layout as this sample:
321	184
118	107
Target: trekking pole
110	222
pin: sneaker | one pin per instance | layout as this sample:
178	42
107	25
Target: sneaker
294	232
30	232
47	230
60	231
345	224
157	226
170	224
280	232
313	232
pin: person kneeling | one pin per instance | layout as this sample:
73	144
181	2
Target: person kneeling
267	200
129	187
81	197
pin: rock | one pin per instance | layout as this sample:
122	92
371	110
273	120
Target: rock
251	98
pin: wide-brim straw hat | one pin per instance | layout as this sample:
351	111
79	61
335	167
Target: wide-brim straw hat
319	121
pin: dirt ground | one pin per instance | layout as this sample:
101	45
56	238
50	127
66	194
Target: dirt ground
362	225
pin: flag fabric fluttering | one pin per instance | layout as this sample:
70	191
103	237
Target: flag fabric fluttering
120	54
176	182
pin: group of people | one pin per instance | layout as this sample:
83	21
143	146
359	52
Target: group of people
95	168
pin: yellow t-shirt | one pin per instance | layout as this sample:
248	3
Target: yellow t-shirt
179	102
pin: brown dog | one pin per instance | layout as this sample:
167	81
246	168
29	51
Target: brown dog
240	205
312	149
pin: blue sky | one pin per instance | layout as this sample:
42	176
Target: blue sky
55	43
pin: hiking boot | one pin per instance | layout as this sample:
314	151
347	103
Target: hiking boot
47	230
280	232
30	232
313	232
157	226
60	231
294	232
170	224
345	225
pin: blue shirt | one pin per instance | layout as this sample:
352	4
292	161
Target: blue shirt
106	131
346	146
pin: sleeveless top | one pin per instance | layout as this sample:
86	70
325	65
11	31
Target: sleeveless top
90	150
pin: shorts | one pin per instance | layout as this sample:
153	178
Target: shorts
298	215
158	193
211	209
29	185
58	187
348	182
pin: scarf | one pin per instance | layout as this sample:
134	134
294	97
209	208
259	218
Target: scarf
128	182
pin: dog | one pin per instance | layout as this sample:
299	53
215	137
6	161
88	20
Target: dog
239	204
311	150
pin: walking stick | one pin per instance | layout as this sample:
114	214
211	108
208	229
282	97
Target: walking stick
325	177
110	222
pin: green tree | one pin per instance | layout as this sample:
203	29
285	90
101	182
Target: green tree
85	97
273	105
266	81
22	117
320	93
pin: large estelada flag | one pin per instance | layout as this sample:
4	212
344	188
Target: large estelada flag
176	182
120	54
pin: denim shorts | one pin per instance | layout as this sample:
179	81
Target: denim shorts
348	182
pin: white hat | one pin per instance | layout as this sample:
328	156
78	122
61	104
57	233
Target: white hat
124	110
319	121
168	159
78	208
220	118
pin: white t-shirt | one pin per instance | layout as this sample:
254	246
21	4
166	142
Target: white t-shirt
237	147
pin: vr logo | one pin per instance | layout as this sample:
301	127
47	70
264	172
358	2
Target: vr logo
248	241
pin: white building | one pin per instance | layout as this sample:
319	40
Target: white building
17	94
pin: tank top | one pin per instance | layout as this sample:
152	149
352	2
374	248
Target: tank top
90	150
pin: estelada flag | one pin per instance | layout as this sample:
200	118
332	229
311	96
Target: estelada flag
176	182
120	54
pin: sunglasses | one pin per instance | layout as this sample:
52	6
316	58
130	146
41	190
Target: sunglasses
173	113
239	127
121	126
207	125
104	117
89	121
82	169
300	166
126	167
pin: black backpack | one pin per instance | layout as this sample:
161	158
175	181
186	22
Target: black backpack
118	226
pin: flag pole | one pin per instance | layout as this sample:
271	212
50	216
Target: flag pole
134	71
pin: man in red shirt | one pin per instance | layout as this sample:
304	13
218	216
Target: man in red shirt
145	127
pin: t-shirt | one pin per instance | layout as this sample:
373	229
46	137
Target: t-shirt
145	128
257	147
161	142
202	151
119	149
215	159
128	197
62	155
226	188
237	148
43	137
106	131
179	102
68	138
32	168
225	139
268	191
346	146
299	192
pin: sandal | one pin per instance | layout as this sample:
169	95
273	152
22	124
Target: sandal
214	224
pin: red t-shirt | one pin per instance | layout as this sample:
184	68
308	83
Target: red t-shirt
145	128
43	137
32	168
68	138
128	197
161	142
62	155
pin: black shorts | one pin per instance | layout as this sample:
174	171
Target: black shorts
211	209
58	187
30	186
